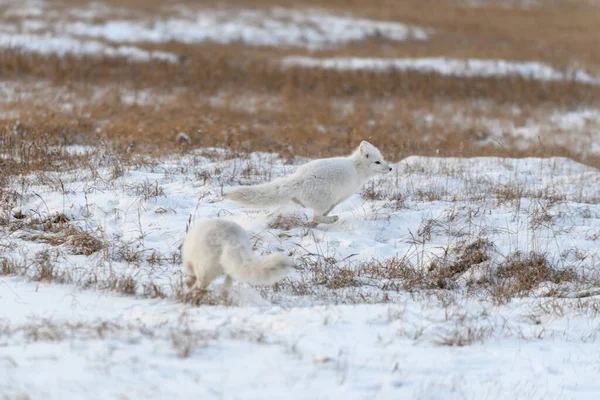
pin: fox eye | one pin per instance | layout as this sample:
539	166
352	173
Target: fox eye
377	162
367	156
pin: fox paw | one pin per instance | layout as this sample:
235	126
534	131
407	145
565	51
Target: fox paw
324	220
191	281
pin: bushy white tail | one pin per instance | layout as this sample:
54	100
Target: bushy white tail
263	195
264	270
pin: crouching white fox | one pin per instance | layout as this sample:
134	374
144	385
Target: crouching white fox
215	247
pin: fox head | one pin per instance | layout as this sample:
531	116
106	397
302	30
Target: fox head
372	158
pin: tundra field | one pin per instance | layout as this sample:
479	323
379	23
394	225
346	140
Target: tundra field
471	271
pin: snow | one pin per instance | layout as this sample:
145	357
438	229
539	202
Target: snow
576	119
150	207
369	228
272	27
447	66
48	44
507	4
76	31
113	346
24	8
323	343
577	130
311	28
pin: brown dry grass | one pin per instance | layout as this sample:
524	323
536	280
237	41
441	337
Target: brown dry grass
545	31
518	275
526	271
291	106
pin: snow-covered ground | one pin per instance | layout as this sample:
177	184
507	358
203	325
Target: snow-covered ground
577	130
36	27
63	343
447	278
99	30
46	44
448	66
271	27
345	324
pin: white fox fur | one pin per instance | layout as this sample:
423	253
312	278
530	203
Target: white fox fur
215	247
319	184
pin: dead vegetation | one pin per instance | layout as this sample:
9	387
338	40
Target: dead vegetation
286	222
464	336
469	268
521	273
198	297
239	97
184	340
57	230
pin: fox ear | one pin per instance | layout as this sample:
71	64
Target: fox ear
364	148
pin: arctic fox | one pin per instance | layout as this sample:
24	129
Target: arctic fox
215	247
319	184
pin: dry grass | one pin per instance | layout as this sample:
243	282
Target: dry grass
56	230
464	336
289	105
555	31
288	221
499	280
523	272
307	99
184	340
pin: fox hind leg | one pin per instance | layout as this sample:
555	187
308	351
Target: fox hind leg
195	281
201	284
191	280
325	218
326	213
202	273
226	285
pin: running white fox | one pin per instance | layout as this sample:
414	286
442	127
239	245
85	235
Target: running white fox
216	246
319	184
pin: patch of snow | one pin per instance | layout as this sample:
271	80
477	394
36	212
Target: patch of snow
577	120
274	27
97	10
34	25
508	4
447	66
48	44
146	97
11	114
575	130
24	8
93	345
10	28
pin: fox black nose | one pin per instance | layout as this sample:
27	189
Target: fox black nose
390	168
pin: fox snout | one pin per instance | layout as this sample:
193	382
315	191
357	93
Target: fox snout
383	169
